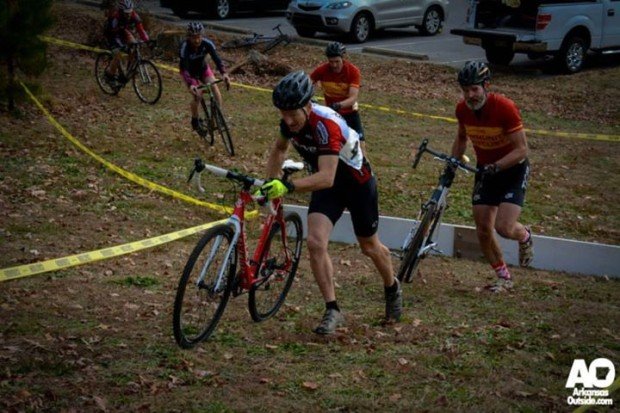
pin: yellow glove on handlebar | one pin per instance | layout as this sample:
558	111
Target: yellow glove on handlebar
275	188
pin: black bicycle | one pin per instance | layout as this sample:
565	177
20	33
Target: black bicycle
214	121
421	240
256	38
142	73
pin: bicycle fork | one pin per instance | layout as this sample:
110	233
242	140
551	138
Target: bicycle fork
226	262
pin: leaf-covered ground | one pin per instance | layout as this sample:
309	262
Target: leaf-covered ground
98	337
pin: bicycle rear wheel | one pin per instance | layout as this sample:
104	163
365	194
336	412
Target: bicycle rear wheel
221	127
204	287
277	268
101	64
147	82
411	254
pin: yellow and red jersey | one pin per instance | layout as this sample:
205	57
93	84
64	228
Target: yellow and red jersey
488	128
336	85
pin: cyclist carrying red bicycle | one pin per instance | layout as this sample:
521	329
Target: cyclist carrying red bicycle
341	179
493	124
340	80
119	32
195	69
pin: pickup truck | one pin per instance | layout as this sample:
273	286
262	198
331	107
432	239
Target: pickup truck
562	29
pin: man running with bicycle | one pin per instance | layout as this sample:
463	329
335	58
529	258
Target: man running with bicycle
195	70
341	178
340	81
119	32
493	124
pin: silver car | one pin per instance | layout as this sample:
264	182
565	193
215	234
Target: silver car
359	18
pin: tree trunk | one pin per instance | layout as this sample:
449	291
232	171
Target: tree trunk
11	85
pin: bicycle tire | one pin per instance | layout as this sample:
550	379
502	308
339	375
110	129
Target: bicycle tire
240	42
411	256
198	309
101	64
222	128
146	82
208	134
275	272
275	42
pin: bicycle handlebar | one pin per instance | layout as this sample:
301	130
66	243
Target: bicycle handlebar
450	160
207	85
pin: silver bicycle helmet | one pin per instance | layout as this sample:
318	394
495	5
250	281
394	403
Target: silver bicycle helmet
194	28
335	49
293	91
474	73
125	5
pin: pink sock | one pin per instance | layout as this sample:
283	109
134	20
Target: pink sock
528	234
501	270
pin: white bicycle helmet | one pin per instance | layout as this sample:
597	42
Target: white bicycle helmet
125	5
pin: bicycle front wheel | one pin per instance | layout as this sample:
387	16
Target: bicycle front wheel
222	128
101	64
147	82
277	268
205	287
411	253
207	124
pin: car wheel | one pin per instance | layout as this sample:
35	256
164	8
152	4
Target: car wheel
305	32
361	28
499	55
432	23
221	9
572	55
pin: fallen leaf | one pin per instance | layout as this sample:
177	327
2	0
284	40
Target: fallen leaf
310	385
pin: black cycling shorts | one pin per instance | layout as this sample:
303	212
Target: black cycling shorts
361	201
355	122
505	186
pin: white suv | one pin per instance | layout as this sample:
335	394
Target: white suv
358	18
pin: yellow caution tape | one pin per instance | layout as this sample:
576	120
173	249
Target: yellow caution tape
126	174
105	253
588	136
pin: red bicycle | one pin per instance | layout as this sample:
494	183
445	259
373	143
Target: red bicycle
211	276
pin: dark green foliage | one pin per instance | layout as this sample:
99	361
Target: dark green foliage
21	24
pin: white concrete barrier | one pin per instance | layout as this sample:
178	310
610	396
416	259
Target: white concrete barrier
556	254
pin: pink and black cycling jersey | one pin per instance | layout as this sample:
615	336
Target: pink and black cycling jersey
121	25
327	133
193	64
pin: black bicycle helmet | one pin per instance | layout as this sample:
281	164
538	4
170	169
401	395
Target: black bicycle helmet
335	49
474	73
293	91
194	28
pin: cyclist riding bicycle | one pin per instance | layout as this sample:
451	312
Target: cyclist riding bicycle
119	32
341	179
340	81
195	70
493	124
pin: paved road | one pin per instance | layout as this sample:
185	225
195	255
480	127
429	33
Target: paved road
443	48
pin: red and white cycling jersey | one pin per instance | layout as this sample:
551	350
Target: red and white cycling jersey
327	133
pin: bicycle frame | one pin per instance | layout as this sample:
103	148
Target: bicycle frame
249	269
420	239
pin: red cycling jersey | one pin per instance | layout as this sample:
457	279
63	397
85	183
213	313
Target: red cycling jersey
327	133
489	127
336	85
120	25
